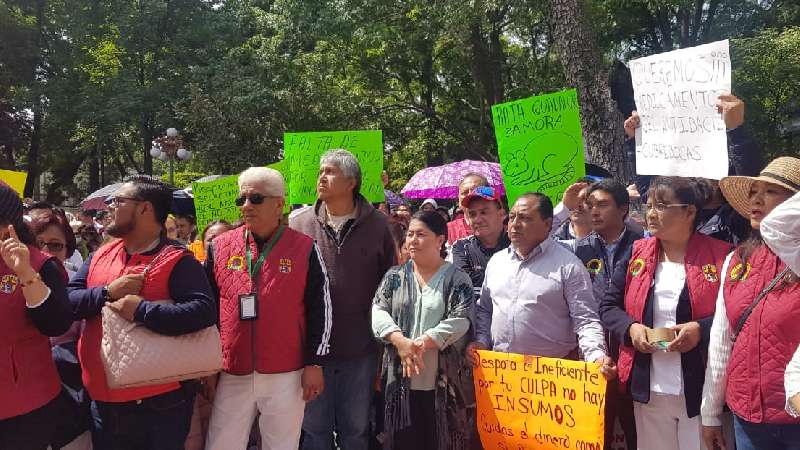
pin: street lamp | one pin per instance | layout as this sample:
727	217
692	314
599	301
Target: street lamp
169	148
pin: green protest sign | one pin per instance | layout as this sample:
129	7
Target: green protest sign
540	144
303	151
282	166
215	200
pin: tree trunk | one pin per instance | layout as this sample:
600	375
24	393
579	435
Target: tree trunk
583	68
33	150
94	166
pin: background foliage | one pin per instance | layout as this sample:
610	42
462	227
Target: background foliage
86	85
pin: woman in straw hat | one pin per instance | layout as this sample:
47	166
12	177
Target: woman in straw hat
755	330
33	305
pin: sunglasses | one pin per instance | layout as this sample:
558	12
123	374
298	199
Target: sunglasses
255	199
51	246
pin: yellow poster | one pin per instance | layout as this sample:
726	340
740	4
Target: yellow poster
534	403
14	179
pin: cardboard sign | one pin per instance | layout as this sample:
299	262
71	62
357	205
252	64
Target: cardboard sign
215	200
676	93
540	144
14	179
531	402
303	151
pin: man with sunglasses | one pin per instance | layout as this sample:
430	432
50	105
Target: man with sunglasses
126	275
358	249
275	320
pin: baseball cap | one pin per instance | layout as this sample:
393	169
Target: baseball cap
484	192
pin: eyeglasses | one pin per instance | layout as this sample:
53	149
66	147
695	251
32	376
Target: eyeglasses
255	199
661	207
51	246
116	200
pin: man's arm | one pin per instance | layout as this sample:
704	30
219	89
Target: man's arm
319	309
194	307
85	302
612	305
583	309
483	314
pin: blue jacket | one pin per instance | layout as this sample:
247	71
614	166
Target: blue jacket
590	250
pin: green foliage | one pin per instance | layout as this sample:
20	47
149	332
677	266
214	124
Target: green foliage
107	76
183	179
767	74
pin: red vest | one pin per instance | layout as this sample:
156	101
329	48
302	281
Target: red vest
28	377
108	264
767	341
274	342
704	259
457	229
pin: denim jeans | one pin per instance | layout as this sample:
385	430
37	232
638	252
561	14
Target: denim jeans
156	423
342	407
766	436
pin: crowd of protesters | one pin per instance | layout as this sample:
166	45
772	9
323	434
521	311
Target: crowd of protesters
354	326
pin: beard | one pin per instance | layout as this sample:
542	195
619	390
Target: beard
119	230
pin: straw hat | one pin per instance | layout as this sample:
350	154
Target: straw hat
783	171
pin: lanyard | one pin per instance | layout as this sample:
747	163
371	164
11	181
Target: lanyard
267	248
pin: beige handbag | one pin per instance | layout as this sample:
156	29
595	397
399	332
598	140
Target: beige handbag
133	355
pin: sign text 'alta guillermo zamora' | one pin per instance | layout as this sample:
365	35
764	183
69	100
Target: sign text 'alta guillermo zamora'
535	403
303	152
540	144
676	93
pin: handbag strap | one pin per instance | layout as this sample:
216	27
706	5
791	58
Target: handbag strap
746	314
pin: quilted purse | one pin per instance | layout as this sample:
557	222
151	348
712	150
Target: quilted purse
134	356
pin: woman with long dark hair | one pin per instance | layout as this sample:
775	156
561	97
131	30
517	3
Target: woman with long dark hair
423	312
33	306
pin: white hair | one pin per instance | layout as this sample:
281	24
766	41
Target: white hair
269	180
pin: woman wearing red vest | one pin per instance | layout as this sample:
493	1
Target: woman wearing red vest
671	283
755	330
33	306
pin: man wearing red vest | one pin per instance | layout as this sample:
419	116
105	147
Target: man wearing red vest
126	275
275	320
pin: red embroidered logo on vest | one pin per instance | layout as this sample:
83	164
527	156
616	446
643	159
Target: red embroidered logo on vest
710	273
637	266
740	272
285	265
8	284
235	263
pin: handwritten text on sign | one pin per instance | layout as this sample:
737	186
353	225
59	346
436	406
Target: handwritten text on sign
530	402
215	200
303	151
540	144
676	95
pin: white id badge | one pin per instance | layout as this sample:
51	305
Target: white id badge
247	307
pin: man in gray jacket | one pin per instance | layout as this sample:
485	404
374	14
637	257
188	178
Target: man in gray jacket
357	248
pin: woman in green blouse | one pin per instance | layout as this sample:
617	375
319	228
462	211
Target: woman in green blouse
423	311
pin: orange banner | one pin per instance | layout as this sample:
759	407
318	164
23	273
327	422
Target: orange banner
529	402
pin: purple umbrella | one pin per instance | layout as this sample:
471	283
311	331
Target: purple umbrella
442	181
97	199
393	199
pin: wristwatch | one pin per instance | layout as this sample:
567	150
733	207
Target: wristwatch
106	295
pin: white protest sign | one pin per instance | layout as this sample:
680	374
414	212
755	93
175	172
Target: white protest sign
682	134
